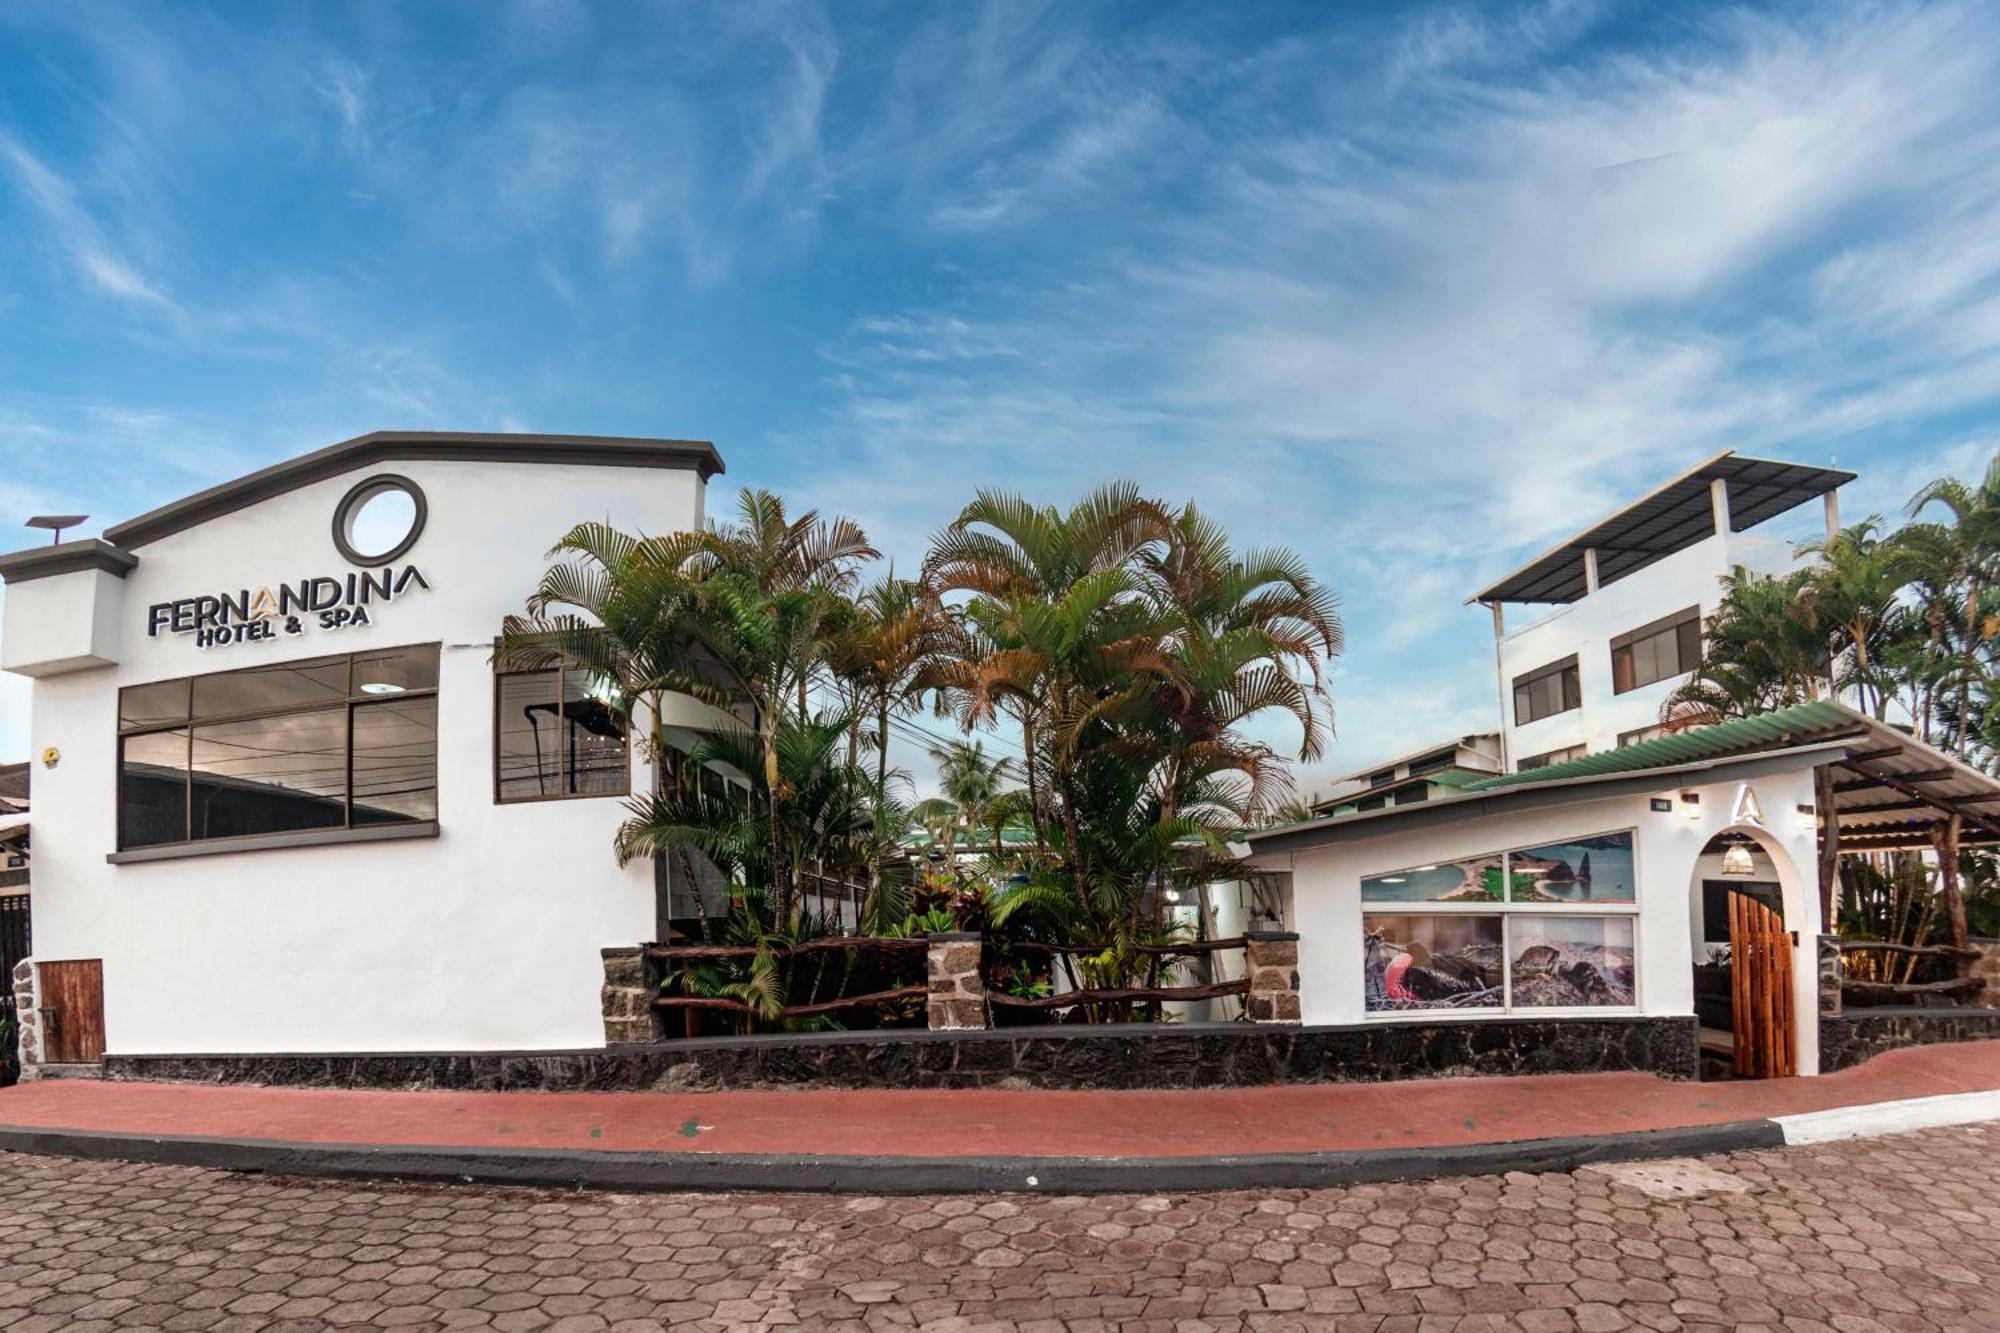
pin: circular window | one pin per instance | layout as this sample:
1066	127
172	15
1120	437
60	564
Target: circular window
379	520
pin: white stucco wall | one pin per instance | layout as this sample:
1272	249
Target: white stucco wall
1691	577
1326	884
486	937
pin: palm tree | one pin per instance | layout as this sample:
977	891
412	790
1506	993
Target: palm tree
1055	627
1765	649
880	657
970	785
1974	548
1852	592
1247	636
769	595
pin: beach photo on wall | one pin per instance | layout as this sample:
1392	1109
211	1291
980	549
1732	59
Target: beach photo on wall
1585	870
1431	962
1474	880
1564	961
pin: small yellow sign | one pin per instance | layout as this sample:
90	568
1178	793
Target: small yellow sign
51	757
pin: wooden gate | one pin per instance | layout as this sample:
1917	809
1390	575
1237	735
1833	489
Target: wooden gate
72	1003
1760	970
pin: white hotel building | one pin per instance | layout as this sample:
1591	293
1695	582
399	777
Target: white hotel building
1627	598
283	801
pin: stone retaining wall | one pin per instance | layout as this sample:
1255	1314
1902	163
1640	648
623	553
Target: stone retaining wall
1131	1055
1859	1035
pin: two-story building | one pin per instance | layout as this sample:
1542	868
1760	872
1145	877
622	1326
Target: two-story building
1629	596
1417	776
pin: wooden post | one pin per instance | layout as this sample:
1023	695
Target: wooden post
1829	846
1946	837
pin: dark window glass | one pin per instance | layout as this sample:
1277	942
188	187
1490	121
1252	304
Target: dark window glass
275	749
1657	652
270	775
152	788
1386	775
395	760
558	734
1411	795
1431	763
1544	693
530	759
160	704
308	684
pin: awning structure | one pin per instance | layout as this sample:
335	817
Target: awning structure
1891	791
1670	518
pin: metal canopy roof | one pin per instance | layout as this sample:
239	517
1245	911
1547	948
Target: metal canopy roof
1669	519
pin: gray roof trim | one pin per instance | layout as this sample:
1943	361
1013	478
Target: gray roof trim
1536	796
391	446
41	562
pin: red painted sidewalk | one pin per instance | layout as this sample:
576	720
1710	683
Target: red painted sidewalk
965	1124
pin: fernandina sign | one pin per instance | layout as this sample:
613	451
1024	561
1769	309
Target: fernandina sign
326	603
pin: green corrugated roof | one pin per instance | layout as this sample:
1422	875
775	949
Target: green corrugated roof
1787	726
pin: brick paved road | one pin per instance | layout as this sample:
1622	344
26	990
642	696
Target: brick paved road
1888	1234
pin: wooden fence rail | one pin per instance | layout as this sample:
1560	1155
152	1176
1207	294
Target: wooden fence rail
685	952
732	1006
1190	949
1120	996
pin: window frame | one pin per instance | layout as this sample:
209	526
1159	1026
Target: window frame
499	796
1504	909
1562	667
188	844
1665	627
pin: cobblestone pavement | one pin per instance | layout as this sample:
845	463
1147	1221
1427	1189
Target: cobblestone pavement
1893	1234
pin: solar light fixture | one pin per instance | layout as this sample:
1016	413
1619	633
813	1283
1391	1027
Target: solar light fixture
55	523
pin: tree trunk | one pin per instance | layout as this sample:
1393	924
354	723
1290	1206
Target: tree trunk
1971	655
1829	844
881	744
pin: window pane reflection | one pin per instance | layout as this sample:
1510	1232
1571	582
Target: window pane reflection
152	789
307	684
270	775
395	761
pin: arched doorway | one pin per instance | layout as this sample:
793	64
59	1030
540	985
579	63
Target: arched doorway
1744	957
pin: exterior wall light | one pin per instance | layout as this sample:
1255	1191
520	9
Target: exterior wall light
1692	800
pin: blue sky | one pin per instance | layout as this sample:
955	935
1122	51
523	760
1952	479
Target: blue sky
1414	291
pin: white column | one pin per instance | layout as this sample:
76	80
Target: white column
1718	504
1500	675
1832	503
1589	570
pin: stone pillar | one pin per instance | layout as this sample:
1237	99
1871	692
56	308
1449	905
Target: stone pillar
958	993
1987	968
1272	960
1831	970
627	998
27	1019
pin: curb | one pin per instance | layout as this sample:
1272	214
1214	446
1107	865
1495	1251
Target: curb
792	1174
1900	1117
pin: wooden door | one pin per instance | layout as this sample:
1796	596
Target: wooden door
72	1001
1760	973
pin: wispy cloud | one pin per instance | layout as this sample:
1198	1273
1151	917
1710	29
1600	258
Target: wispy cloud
76	234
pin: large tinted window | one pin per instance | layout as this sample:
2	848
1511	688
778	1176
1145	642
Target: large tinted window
558	733
330	742
1656	652
1553	689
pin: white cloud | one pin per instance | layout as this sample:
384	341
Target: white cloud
76	233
